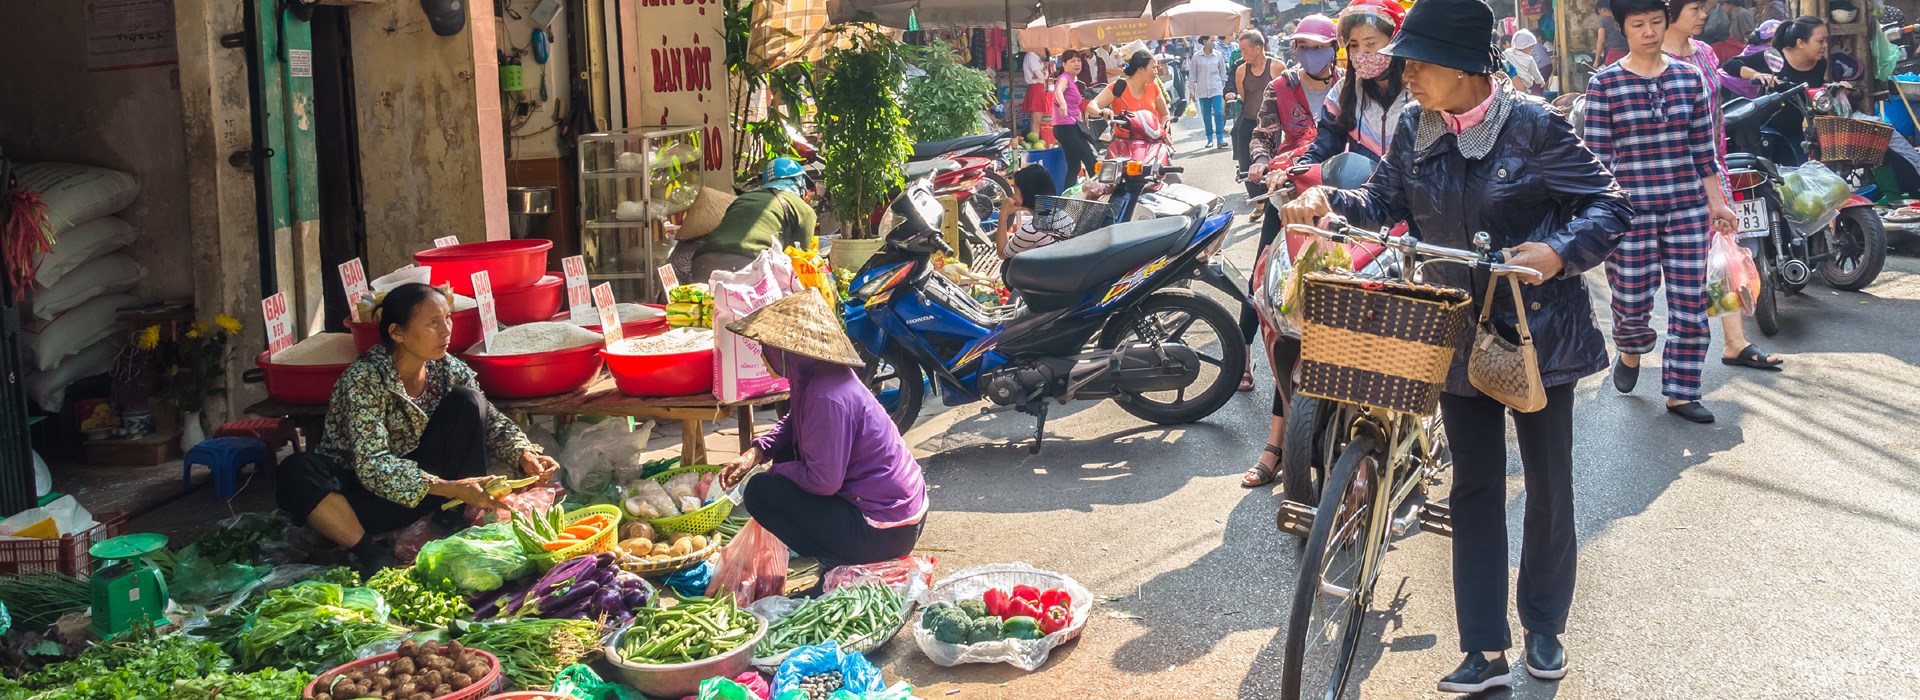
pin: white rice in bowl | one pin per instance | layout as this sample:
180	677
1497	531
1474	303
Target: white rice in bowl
537	337
320	349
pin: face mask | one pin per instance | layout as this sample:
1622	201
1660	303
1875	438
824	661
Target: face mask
1315	60
1369	64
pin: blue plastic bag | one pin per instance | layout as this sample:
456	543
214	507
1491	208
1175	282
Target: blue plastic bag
857	675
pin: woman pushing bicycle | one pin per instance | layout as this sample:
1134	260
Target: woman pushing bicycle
1478	156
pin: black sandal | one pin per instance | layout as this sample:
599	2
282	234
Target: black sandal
1625	377
1693	411
1753	357
1259	474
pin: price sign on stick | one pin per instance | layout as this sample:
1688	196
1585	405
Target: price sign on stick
279	323
445	241
609	316
353	279
668	280
579	296
489	324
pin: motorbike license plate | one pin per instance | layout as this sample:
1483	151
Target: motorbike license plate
1752	215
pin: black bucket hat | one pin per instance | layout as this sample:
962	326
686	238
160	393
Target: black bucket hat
1457	34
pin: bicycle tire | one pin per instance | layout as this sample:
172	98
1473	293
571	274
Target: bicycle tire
1342	480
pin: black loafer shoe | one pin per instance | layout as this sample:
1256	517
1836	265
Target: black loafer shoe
1693	411
1477	673
1625	378
1546	658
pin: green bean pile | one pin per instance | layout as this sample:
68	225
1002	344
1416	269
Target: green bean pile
847	613
697	628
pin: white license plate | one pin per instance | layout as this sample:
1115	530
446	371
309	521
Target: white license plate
1752	214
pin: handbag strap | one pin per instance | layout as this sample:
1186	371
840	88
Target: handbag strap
1519	307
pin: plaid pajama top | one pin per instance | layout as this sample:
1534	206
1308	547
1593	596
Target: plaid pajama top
1656	134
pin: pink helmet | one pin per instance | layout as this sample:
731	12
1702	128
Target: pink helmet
1318	29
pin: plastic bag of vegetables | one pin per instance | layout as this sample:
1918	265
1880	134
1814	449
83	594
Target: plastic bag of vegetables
475	560
1812	194
856	673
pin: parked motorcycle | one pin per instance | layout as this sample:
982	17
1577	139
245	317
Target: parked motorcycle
1849	253
1099	317
1138	136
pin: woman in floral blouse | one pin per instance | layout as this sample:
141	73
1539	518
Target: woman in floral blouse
407	431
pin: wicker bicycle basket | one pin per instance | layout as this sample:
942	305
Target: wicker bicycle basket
1380	343
1084	215
1855	141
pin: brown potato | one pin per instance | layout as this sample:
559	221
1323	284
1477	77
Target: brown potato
442	690
681	547
460	680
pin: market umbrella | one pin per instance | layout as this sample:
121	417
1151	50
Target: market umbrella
1194	18
1208	18
986	13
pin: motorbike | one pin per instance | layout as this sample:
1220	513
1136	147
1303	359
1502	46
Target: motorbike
1848	253
1138	136
1099	316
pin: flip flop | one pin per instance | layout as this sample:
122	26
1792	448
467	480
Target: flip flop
1260	475
1752	356
1246	382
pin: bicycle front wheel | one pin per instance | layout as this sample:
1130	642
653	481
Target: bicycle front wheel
1330	599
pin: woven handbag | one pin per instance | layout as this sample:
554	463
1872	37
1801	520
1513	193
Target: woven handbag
1380	343
1507	372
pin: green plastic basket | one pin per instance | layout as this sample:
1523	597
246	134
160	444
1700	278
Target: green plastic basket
698	522
608	540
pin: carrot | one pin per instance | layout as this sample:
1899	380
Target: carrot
584	532
558	545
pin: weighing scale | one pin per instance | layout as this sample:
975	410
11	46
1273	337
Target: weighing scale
126	586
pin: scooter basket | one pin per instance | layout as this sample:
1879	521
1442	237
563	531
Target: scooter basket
1380	343
1854	141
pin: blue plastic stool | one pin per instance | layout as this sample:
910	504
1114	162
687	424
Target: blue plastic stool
225	456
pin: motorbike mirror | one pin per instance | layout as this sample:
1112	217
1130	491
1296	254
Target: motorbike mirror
1346	171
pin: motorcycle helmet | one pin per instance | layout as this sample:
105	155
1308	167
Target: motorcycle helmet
784	174
1845	67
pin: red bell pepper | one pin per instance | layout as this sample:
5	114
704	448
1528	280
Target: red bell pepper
1026	593
1054	596
996	601
1020	607
1055	619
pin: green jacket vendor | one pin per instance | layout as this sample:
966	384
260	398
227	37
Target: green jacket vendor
768	218
407	430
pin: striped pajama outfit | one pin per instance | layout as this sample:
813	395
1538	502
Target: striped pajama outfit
1657	136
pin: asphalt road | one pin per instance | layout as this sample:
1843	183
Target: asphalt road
1771	555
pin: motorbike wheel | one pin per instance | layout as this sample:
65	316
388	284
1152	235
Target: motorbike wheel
1171	315
897	382
1312	445
1766	308
993	189
1859	249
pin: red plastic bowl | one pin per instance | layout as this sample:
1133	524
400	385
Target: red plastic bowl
300	385
486	685
528	695
678	374
466	331
536	374
509	264
630	329
534	302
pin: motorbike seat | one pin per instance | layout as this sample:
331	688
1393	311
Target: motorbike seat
1055	276
928	168
1748	161
932	149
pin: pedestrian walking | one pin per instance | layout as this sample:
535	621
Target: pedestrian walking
1686	21
1249	87
1649	119
1068	124
1206	83
1366	102
1613	44
1476	155
1526	73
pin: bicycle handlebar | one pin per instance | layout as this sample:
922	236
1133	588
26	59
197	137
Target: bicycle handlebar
1413	247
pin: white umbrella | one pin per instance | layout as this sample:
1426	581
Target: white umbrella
1193	18
1208	18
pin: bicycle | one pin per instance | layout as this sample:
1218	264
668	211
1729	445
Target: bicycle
1377	486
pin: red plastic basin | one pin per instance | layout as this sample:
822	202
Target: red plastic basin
536	374
301	385
677	374
484	686
534	302
630	329
466	331
509	264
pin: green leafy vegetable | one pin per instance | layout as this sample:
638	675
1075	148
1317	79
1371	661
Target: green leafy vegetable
269	684
314	626
533	651
137	664
39	599
417	603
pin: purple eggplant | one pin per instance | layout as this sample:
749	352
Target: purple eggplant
607	600
581	593
633	598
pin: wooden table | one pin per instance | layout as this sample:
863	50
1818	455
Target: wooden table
600	398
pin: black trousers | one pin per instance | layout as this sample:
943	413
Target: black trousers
1549	553
1286	354
1079	151
825	527
453	446
1270	228
1243	154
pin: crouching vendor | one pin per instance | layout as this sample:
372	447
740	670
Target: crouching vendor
843	487
406	431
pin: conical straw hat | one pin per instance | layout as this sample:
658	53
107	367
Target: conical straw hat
803	324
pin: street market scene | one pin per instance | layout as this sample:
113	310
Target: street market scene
889	349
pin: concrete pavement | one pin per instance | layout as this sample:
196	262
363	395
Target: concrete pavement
1771	555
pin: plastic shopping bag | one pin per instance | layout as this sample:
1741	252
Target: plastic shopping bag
752	566
580	682
746	686
857	675
739	371
1812	194
811	270
1721	298
910	576
1743	275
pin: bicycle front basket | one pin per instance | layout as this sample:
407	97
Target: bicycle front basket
1081	215
1380	343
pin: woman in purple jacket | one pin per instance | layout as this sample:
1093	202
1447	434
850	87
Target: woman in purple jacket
843	487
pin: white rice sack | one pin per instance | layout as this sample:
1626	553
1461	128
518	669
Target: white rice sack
540	336
672	342
76	194
108	274
462	302
321	349
82	245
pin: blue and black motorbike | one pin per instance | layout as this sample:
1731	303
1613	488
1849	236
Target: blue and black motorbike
1102	315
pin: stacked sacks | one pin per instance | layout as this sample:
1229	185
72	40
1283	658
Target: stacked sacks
690	306
79	286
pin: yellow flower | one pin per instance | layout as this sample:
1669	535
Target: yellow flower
199	327
147	338
193	334
230	324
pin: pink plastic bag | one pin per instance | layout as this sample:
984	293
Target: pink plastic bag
751	567
1733	280
911	576
537	498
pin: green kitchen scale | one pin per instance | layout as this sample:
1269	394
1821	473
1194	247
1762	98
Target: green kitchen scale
126	586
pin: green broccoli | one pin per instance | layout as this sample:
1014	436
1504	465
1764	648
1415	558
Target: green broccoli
974	608
951	626
932	612
983	630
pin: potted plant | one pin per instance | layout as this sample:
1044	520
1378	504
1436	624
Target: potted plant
189	368
944	102
863	134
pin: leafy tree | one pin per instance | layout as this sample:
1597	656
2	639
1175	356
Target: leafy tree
945	102
863	133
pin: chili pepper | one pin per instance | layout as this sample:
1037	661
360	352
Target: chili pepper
996	601
1055	619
